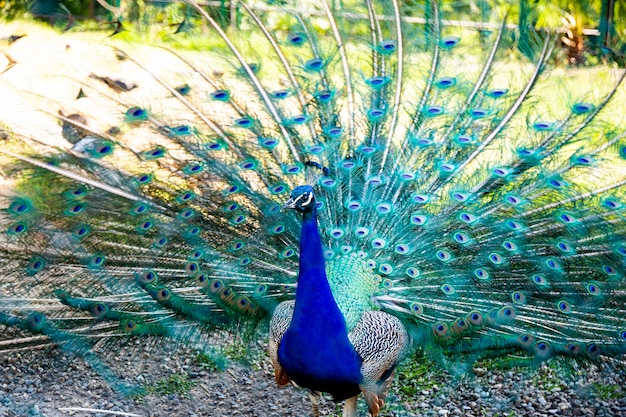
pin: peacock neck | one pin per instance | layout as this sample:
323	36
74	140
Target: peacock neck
313	292
315	351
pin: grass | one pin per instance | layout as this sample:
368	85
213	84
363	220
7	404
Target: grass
608	391
416	375
176	384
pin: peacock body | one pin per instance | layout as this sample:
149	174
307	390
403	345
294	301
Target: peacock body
361	182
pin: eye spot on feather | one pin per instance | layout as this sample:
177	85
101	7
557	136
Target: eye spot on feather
514	225
361	231
328	182
525	340
497	92
353	205
383	208
81	231
96	261
279	95
447	289
296	39
419	219
479	113
459	196
193	231
433	110
593	350
582	108
444	255
440	329
566	218
510	246
136	114
445	82
334	132
468	218
220	95
542	126
420	198
314	64
385	269
609	270
377	82
37	264
154	154
379	243
475	318
375	114
539	280
163	295
416	308
518	297
564	307
461	237
582	160
481	273
387	47
159	242
324	96
593	289
553	264
17	229
402	249
278	189
612	203
268	143
412	272
450	42
572	348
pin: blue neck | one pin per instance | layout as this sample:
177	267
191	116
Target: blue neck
313	290
315	351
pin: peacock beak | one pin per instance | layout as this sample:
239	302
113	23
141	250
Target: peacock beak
289	204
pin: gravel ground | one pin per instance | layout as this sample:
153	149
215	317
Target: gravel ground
48	382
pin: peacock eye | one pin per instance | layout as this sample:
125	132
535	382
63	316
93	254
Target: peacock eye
307	199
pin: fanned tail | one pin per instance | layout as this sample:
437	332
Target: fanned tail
482	186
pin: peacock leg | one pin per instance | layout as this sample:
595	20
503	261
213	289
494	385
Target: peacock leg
315	402
349	407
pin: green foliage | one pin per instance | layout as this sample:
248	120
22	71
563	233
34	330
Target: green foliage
209	362
12	9
608	391
548	377
178	384
417	374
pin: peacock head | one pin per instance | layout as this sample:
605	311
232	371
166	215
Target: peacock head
302	199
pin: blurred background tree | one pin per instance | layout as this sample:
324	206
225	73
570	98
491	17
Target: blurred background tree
590	28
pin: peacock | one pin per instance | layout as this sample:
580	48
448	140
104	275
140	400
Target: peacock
355	182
